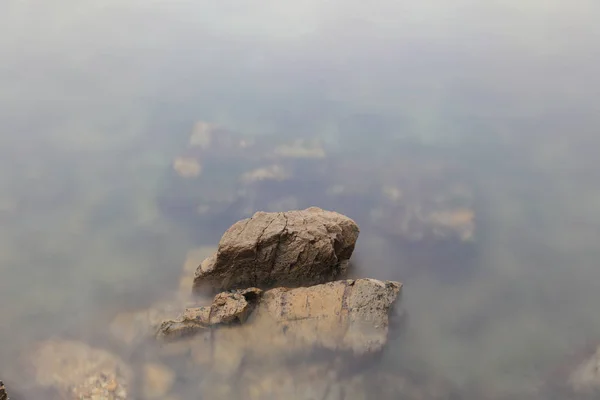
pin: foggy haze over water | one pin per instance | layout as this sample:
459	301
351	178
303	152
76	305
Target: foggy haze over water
98	97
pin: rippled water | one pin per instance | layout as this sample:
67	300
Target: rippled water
500	99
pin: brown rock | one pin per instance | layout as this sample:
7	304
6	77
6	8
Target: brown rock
235	307
226	308
346	316
295	248
78	371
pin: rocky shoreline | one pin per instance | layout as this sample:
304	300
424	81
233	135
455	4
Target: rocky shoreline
281	321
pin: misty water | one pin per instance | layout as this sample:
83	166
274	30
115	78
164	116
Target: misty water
499	98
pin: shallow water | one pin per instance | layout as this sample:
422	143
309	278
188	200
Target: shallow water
97	101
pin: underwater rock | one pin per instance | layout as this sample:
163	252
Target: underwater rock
350	316
78	371
226	308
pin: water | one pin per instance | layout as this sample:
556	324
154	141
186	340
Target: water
499	98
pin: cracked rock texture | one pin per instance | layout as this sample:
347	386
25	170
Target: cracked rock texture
226	308
349	316
292	249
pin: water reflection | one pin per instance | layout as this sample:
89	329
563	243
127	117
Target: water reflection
462	138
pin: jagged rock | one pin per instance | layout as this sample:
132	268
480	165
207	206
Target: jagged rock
351	317
78	371
226	308
3	394
295	248
234	307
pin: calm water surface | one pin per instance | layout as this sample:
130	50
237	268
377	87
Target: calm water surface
96	101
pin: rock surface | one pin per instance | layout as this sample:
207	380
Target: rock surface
3	394
295	248
226	308
345	316
349	315
78	371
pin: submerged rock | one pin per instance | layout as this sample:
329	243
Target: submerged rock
349	316
78	371
226	308
295	248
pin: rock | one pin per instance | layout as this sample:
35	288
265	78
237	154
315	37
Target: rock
295	248
347	315
350	317
78	371
230	308
3	394
226	308
158	381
